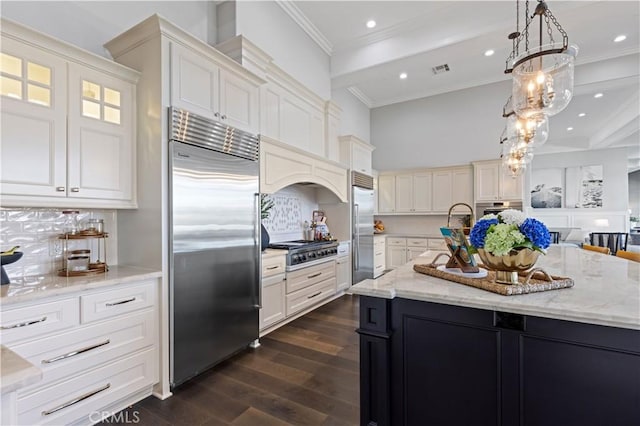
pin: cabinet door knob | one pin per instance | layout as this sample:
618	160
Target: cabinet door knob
224	117
60	188
75	189
216	114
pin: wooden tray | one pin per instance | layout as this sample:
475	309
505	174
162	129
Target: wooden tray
538	282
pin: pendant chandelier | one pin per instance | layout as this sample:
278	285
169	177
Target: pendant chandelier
542	84
542	74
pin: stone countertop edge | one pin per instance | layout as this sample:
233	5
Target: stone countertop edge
406	235
15	371
30	288
594	299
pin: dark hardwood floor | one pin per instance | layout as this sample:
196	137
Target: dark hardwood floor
304	373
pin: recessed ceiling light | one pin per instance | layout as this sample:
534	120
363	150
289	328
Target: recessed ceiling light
582	114
598	95
403	75
371	23
489	52
620	38
569	129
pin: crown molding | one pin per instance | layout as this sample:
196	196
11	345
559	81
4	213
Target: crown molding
307	26
360	96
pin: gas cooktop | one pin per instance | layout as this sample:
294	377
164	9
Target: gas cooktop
302	251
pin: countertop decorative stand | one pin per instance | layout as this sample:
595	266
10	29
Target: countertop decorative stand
97	259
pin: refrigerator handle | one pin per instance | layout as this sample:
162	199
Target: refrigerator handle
258	238
356	221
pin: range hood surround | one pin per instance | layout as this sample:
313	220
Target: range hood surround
282	165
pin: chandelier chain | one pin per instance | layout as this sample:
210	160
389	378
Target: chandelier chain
565	37
526	26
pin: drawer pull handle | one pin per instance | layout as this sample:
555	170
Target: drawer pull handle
314	295
75	401
378	254
74	353
272	267
314	275
75	189
23	324
122	302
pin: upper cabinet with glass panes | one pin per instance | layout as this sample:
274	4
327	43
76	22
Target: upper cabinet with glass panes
68	134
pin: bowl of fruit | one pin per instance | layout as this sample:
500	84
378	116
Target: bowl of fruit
378	227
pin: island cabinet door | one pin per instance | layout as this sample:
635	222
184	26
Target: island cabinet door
579	374
445	363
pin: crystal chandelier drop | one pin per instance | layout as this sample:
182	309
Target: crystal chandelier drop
542	74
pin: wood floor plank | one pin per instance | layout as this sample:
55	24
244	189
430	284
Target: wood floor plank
304	373
303	395
287	410
253	417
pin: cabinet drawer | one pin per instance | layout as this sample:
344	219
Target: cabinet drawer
38	320
273	265
397	242
378	270
68	354
437	244
101	387
417	242
379	241
379	259
309	296
99	306
306	277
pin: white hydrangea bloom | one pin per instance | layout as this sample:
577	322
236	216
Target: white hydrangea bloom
489	216
512	217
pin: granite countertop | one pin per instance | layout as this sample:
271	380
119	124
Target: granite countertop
606	290
37	287
15	371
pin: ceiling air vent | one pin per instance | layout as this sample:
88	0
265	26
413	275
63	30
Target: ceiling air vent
440	69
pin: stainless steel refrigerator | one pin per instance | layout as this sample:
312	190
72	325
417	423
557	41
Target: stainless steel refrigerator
362	213
215	240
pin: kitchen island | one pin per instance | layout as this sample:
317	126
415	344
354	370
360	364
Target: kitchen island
438	352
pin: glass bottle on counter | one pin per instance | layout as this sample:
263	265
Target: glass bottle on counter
70	225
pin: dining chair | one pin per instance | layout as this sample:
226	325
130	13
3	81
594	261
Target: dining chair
628	255
614	240
555	237
604	250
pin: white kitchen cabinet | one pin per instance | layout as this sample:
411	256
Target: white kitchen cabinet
308	286
103	342
493	183
396	252
415	247
386	194
343	273
356	154
413	192
332	114
201	86
379	255
68	124
273	289
429	191
282	165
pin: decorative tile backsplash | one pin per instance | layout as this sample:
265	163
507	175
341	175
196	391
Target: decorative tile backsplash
292	206
36	231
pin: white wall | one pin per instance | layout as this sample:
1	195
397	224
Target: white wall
266	25
89	24
435	131
356	116
615	194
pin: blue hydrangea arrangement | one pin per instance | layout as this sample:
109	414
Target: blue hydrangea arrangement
509	230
